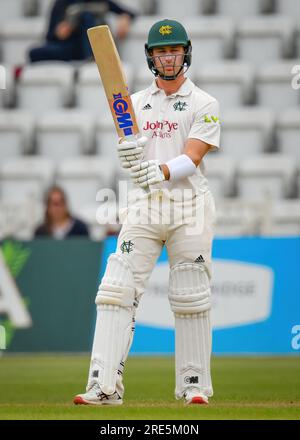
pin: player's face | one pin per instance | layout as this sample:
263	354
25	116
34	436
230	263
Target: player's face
168	59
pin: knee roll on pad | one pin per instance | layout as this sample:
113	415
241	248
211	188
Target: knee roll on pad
117	287
189	289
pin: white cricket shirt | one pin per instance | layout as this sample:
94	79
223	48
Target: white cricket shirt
168	121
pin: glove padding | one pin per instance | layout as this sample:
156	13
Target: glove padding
130	152
147	173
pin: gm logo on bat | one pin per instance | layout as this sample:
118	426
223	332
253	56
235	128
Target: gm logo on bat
120	106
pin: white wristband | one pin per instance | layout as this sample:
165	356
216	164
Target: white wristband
180	167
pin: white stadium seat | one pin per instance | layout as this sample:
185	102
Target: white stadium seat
44	7
106	139
143	79
298	178
274	86
90	94
45	86
264	39
242	8
246	131
99	219
288	132
283	218
220	172
20	35
19	219
230	82
16	133
237	216
187	8
25	178
13	8
6	85
83	177
288	7
138	6
266	177
64	134
297	37
212	39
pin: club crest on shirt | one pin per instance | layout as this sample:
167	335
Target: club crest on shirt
180	106
126	247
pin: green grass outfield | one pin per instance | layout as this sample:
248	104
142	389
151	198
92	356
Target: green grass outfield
42	387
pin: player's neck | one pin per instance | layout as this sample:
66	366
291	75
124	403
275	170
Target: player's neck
172	86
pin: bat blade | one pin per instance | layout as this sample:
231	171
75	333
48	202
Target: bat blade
113	80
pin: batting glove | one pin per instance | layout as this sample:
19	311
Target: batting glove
147	173
130	152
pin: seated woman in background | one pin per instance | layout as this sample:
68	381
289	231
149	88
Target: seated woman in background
58	222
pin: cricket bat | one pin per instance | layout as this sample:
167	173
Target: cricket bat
113	80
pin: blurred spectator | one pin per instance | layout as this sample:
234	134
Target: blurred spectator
58	222
66	39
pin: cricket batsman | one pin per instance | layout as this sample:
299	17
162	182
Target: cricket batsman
179	124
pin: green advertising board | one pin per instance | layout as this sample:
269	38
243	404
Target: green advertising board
47	292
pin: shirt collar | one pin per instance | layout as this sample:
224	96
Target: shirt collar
185	89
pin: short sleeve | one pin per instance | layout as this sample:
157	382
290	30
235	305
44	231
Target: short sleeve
206	125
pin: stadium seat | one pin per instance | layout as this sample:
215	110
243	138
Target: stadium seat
288	7
44	7
212	39
106	139
16	133
45	86
6	86
230	82
64	134
188	8
274	88
83	177
297	37
143	79
246	131
220	172
288	132
19	219
283	219
264	39
266	177
90	93
238	217
298	178
141	7
25	178
18	36
242	8
13	9
99	218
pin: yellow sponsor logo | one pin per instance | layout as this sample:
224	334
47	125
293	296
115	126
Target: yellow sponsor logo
165	30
